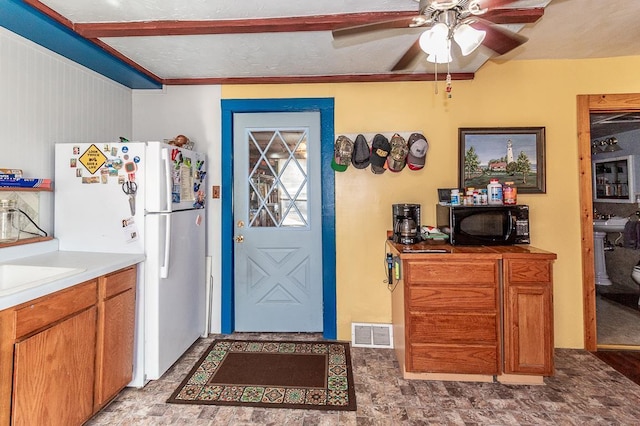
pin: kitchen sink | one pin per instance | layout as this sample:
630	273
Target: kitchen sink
15	278
613	224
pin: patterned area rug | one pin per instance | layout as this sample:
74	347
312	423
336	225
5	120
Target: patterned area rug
274	374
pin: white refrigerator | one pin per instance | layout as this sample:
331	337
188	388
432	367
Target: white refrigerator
141	197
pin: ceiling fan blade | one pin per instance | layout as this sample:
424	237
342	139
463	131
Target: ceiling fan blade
406	22
498	39
492	4
409	56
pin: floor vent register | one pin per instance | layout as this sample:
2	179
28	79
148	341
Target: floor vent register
371	335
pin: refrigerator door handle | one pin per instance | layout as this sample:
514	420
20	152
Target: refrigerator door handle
164	269
168	180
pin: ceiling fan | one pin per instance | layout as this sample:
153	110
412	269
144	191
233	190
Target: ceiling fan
447	20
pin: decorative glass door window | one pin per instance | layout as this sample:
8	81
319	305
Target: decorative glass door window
277	177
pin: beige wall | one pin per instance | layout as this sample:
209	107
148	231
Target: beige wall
518	93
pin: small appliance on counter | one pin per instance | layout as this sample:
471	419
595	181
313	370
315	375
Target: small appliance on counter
484	225
406	223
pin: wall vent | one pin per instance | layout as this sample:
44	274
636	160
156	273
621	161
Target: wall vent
371	335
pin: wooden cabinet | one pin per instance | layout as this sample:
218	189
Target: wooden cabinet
65	355
475	313
452	323
528	316
54	357
116	325
53	373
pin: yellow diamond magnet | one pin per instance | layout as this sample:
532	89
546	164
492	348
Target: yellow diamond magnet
93	159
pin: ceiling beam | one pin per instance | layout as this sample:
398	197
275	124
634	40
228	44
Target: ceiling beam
270	25
298	79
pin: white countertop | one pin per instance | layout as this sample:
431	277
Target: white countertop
89	265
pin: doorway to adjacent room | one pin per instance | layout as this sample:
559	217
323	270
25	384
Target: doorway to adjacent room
593	303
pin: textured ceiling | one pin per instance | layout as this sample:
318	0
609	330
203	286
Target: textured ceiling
273	53
172	40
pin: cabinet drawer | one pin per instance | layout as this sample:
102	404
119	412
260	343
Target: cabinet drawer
460	298
458	359
120	281
49	309
520	271
454	272
449	328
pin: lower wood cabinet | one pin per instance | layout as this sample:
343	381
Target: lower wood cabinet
528	316
116	325
53	373
68	353
481	312
451	316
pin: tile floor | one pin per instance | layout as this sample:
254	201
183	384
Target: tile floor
617	324
584	391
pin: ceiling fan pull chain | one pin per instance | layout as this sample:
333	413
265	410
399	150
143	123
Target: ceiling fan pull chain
435	82
448	89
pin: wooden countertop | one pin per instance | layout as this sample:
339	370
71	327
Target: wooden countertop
433	249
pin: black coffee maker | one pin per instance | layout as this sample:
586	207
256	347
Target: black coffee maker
406	223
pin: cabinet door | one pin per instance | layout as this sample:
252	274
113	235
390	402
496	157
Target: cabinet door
528	322
115	357
54	373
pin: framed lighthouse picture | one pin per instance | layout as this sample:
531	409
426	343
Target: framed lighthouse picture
510	154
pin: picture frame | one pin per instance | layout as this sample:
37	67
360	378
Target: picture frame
510	154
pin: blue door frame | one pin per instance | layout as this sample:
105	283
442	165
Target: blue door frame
326	108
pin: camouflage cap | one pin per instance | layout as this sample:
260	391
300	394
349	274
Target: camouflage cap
398	155
342	152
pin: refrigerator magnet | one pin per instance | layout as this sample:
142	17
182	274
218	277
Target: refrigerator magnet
130	230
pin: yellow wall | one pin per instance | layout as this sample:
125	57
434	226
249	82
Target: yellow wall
517	93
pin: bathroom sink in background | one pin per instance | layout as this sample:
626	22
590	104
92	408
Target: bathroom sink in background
20	277
613	224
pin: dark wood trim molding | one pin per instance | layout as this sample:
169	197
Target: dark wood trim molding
344	78
50	13
268	25
124	59
234	26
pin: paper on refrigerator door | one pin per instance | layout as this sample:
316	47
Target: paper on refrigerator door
185	177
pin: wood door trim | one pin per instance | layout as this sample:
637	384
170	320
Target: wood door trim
586	104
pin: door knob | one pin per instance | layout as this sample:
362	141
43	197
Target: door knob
239	239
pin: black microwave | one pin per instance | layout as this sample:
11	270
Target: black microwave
484	225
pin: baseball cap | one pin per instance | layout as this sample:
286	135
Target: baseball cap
398	155
361	153
342	152
417	154
380	148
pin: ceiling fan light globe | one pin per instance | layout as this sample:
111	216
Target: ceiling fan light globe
435	39
441	58
468	38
